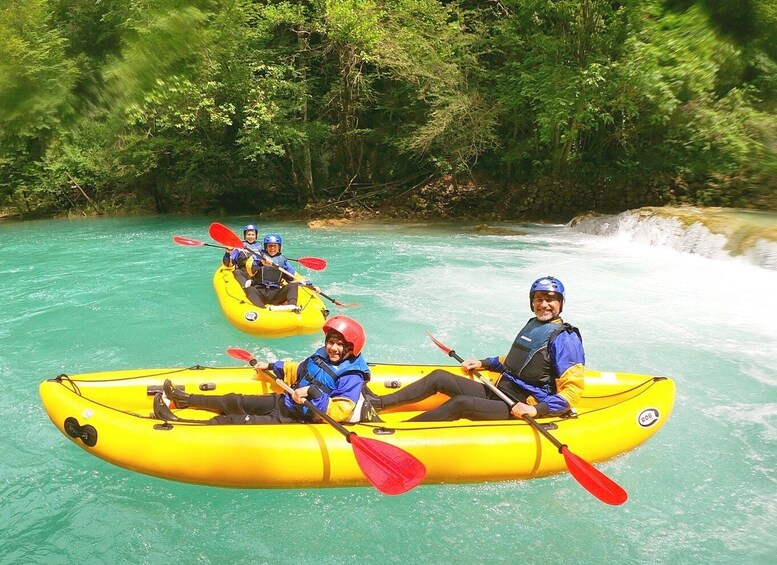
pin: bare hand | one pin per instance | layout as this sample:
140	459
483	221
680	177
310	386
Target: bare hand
300	394
261	366
471	365
521	408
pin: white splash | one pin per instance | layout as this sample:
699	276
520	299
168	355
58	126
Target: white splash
661	231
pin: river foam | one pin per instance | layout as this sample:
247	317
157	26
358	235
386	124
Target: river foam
713	233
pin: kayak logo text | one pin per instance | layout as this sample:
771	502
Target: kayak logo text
251	316
648	417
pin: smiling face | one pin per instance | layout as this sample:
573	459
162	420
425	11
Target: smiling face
250	236
272	249
337	348
546	305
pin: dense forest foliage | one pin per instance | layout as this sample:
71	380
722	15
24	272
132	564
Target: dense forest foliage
522	108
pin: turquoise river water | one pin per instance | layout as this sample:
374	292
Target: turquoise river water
116	293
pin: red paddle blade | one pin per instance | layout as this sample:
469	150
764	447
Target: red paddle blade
390	469
186	241
594	481
225	236
242	354
446	350
313	263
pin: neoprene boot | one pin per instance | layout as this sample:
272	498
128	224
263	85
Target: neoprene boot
175	395
372	398
161	411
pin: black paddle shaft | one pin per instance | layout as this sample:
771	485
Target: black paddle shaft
308	404
560	446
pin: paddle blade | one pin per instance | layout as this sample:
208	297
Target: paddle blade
390	469
225	236
593	480
186	241
312	263
438	343
242	354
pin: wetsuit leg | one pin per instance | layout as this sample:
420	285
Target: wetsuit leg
463	406
286	293
240	276
290	292
247	419
436	381
257	295
235	404
244	409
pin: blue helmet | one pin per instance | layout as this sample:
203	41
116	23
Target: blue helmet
273	238
547	284
249	227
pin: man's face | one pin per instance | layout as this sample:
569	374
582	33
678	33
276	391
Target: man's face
546	305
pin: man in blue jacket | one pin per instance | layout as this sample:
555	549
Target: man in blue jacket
543	371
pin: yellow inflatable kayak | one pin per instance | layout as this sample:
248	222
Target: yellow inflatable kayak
272	321
110	416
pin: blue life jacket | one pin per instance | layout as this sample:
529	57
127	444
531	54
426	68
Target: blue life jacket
238	257
319	372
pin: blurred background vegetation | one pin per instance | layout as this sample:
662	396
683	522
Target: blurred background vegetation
536	109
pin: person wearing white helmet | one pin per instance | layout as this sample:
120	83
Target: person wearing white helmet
543	371
332	379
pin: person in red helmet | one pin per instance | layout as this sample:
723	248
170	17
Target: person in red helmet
332	379
543	371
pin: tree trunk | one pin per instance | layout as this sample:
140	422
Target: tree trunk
305	188
349	63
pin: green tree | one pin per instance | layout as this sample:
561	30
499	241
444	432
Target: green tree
36	80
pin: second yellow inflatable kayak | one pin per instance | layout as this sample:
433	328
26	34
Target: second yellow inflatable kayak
268	321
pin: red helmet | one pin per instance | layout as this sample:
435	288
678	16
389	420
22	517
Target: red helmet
350	329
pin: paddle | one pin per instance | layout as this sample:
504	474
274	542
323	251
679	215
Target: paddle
226	236
313	263
390	469
591	479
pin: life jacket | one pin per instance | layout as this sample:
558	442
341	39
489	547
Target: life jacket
529	359
266	275
255	246
317	371
244	254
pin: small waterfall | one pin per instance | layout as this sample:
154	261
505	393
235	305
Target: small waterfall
751	236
